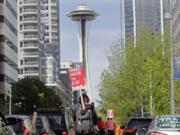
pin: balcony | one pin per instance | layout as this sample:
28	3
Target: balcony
30	37
31	64
29	11
30	46
30	28
31	73
30	54
30	2
29	20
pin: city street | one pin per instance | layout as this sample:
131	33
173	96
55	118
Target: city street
89	67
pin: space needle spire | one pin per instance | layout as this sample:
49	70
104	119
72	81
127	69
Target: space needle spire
82	16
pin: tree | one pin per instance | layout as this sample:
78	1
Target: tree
30	93
144	74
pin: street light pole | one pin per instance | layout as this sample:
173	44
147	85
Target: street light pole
10	102
172	64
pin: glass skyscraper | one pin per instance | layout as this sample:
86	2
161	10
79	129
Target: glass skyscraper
149	13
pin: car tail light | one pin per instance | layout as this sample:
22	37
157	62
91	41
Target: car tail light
25	130
130	130
64	132
157	133
45	133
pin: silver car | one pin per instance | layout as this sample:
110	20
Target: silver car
165	125
21	124
4	128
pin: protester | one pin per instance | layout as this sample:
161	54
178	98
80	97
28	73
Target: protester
111	126
85	118
101	126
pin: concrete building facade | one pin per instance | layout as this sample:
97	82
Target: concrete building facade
8	45
65	78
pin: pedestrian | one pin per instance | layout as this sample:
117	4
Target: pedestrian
110	126
84	116
101	126
121	129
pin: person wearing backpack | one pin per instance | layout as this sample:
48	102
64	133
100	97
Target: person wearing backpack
110	126
85	119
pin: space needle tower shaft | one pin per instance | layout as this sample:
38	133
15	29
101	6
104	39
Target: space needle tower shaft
82	15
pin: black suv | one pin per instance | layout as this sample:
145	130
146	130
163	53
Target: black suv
137	125
57	120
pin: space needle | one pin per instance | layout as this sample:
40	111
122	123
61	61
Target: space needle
82	16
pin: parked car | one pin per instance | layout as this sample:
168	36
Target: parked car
57	120
5	129
137	125
21	124
165	125
43	126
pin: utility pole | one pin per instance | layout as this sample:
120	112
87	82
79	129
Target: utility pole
172	63
10	102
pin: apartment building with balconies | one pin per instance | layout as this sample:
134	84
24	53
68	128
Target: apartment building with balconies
28	38
38	40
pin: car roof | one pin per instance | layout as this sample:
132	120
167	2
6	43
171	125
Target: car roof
18	116
141	118
168	115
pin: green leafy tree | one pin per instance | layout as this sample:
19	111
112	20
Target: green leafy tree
145	73
31	93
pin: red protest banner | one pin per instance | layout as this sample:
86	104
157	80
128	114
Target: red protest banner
77	77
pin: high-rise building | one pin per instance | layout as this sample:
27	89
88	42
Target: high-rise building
38	40
176	26
150	13
65	78
29	35
8	46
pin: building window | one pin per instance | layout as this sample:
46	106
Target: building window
20	27
20	10
20	18
1	18
21	62
21	44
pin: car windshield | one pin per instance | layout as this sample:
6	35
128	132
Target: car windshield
168	122
46	123
139	123
55	121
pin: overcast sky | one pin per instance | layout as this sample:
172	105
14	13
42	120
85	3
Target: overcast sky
103	32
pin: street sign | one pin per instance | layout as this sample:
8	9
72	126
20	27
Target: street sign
77	78
176	67
110	114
